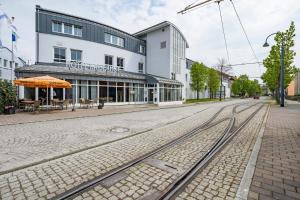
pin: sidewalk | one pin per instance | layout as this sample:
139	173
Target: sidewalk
277	172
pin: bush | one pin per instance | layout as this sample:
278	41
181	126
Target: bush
7	95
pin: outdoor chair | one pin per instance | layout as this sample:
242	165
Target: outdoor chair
36	106
66	103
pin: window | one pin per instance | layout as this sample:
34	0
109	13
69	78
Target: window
163	45
142	49
16	65
108	38
78	31
186	77
68	29
0	62
173	76
59	54
56	27
11	64
4	63
141	67
76	55
108	60
120	62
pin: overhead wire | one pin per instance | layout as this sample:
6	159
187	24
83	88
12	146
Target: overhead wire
246	35
223	29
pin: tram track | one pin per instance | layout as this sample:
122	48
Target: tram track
207	125
172	191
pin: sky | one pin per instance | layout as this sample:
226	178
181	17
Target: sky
201	27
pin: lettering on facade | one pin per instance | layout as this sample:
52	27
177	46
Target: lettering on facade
91	67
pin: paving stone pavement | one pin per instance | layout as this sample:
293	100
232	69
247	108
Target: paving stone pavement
221	177
24	144
277	172
142	182
49	179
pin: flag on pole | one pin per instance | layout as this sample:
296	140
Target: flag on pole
13	36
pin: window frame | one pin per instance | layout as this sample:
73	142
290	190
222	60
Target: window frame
141	64
77	50
109	39
76	27
163	44
68	25
123	63
59	60
53	27
112	59
5	63
142	49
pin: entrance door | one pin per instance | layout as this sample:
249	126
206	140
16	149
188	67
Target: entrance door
150	95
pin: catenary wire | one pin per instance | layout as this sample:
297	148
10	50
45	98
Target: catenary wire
226	46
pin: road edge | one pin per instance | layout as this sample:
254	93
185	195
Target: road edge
243	190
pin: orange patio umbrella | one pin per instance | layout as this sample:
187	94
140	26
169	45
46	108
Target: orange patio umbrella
43	82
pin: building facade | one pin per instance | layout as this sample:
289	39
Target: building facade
191	94
104	62
9	59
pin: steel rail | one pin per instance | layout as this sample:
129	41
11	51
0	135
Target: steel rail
86	185
177	186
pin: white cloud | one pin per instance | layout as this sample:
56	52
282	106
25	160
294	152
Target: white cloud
201	27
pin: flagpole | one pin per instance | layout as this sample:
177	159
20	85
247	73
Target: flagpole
12	51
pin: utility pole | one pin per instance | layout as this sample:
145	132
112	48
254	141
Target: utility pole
221	82
282	74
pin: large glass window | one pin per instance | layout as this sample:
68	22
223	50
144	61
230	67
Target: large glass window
59	54
103	91
120	62
108	60
78	31
57	27
76	55
68	29
112	39
112	92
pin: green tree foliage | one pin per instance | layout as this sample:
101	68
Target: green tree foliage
243	86
272	63
213	82
199	75
7	94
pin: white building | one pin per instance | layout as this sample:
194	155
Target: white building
191	94
8	60
104	62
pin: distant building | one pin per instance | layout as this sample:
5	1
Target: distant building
9	59
191	94
294	87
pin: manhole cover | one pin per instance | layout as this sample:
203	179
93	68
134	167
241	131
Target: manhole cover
119	129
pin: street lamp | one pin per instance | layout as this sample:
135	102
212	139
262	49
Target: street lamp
266	44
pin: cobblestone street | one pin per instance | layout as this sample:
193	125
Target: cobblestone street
46	159
24	144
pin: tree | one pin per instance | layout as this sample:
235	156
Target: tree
240	86
253	88
213	82
222	68
199	77
272	63
7	94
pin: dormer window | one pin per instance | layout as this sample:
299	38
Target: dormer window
57	27
142	49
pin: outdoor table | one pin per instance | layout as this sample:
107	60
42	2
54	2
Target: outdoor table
58	102
28	103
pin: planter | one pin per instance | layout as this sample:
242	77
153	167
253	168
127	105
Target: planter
9	110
